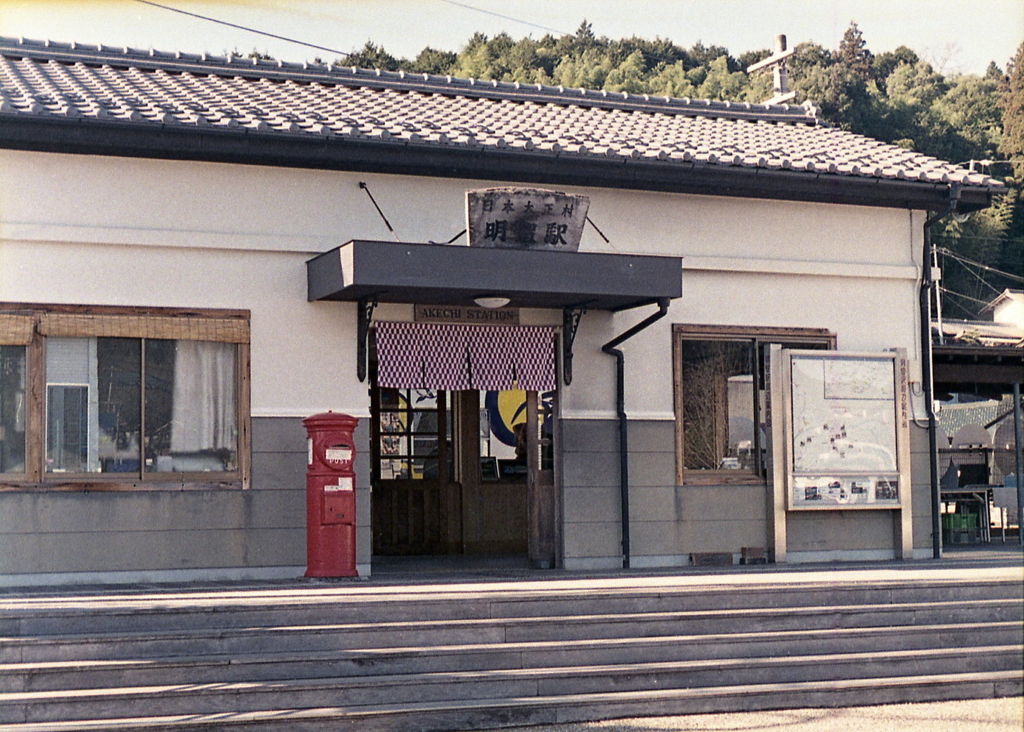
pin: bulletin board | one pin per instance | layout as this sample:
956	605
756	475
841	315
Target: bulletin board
847	430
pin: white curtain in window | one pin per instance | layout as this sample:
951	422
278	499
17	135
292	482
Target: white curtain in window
203	416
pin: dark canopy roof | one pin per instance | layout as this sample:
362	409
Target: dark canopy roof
437	274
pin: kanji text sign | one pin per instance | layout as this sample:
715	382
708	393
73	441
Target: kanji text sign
525	218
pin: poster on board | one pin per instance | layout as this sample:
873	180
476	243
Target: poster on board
843	437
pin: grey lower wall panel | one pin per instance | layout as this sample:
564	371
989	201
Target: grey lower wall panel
153	531
921	487
666	520
836	531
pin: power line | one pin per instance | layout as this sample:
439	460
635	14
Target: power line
964	260
979	278
971	315
245	28
645	52
504	17
965	297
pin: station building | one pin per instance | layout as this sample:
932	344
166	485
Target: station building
197	252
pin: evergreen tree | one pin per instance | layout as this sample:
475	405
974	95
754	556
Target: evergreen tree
853	52
1011	102
372	56
432	61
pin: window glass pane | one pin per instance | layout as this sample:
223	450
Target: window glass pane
393	445
191	406
67	428
718	404
92	405
546	404
12	409
394	469
424	423
423	445
424	469
409	423
119	366
422	398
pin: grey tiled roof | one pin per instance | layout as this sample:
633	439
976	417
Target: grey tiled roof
980	332
135	88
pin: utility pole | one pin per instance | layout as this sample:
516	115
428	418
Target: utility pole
777	62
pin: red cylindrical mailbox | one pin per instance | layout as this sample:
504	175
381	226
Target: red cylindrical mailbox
330	496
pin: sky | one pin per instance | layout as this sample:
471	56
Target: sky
957	36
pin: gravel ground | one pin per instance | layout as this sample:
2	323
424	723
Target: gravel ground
975	715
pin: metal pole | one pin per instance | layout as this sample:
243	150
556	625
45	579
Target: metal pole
926	365
620	409
1018	460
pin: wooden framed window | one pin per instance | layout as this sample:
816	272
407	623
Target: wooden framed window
720	399
103	398
412	434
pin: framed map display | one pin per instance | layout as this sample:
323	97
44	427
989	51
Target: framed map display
846	429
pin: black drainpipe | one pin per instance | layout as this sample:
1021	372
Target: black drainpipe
620	408
927	285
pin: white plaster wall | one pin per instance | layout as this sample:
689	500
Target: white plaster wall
303	354
217	235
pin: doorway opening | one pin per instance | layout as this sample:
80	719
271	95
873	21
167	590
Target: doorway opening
463	473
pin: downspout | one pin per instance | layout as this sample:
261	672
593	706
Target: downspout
620	408
927	284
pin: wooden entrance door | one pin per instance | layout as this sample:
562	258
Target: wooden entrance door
415	507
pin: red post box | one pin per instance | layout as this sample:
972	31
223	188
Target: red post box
330	496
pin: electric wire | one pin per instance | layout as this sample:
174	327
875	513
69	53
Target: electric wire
964	260
250	29
649	54
970	315
980	279
245	28
965	297
504	17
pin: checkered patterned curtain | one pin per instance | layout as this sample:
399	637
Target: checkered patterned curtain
455	356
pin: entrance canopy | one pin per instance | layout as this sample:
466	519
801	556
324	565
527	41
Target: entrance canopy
434	274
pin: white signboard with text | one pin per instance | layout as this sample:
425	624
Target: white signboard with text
847	430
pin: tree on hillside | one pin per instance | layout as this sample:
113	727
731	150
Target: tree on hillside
1011	103
885	63
994	236
372	56
432	61
853	52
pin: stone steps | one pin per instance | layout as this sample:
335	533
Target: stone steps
337	636
220	697
262	666
508	712
489	655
